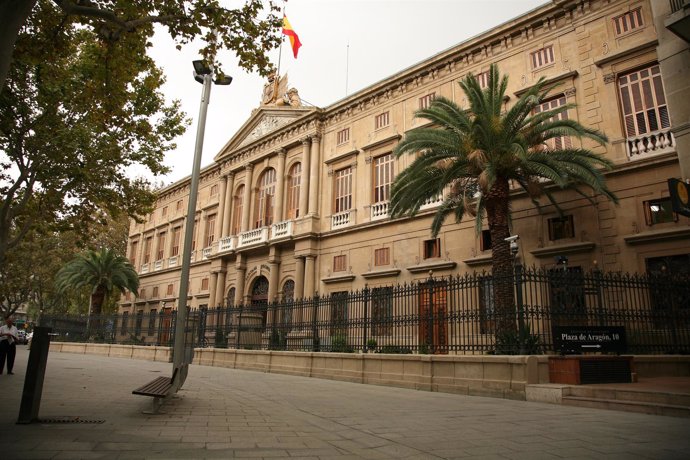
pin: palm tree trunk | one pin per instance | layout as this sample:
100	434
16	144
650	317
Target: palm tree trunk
97	298
497	211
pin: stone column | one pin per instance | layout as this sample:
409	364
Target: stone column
227	212
241	267
220	286
212	290
309	275
140	257
247	198
280	186
304	184
299	278
220	215
274	267
315	167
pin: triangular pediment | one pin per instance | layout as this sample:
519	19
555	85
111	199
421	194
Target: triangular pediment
263	122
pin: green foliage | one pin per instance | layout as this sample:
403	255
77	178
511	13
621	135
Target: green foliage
221	340
372	344
278	340
470	158
395	350
512	342
103	272
339	344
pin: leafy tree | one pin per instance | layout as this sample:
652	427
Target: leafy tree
74	116
242	30
472	158
103	271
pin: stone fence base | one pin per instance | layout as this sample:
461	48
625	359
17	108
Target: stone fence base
477	375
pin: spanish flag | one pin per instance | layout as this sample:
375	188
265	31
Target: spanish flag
294	39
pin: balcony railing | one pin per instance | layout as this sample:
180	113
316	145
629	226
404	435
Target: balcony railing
206	252
677	5
227	243
144	268
256	236
158	265
281	230
342	219
651	144
432	202
172	262
379	210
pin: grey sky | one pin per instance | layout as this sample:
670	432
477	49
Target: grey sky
384	37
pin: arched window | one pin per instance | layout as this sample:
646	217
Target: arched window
263	211
230	298
237	210
294	181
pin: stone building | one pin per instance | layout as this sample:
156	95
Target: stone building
297	200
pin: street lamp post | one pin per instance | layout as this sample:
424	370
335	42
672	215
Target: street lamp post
204	75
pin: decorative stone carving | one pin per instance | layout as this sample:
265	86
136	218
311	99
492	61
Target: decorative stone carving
570	92
609	78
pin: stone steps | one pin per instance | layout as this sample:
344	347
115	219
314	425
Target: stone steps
628	400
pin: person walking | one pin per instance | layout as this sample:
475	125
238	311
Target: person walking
9	336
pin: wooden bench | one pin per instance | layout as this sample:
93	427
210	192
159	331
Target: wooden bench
158	388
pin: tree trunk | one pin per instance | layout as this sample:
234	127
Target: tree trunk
498	213
14	14
97	298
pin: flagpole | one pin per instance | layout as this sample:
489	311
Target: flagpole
347	66
280	48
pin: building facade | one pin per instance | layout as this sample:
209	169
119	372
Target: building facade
296	203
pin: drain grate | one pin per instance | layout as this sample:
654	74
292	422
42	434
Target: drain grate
68	420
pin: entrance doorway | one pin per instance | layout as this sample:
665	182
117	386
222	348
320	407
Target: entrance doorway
433	308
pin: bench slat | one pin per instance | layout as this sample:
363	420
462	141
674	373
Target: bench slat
158	387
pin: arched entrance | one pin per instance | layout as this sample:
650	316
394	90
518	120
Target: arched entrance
259	299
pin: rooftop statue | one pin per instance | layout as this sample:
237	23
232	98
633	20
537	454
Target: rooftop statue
276	92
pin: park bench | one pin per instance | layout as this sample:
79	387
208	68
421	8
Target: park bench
158	388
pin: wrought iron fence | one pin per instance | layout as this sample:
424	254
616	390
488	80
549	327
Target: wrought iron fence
455	315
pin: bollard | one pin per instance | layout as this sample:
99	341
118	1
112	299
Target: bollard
35	371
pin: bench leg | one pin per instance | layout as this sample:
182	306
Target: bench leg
155	407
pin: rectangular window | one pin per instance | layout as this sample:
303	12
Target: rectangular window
542	57
483	79
155	292
147	249
659	211
152	323
339	314
381	121
562	142
485	241
432	248
142	293
382	257
209	235
343	190
382	310
237	211
175	249
425	101
383	177
164	211
628	22
125	323
137	323
294	183
161	246
343	136
214	190
178	205
169	291
133	253
561	228
643	102
339	263
204	284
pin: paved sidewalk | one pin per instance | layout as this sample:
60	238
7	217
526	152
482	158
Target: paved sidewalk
226	413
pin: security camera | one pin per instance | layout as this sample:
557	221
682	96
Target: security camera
512	238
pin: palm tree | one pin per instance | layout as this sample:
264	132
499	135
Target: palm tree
103	271
473	157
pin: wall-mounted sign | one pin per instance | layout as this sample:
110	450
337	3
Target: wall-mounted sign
583	339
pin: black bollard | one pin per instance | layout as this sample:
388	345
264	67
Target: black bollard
35	371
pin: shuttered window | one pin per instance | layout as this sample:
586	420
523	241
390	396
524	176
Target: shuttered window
643	101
